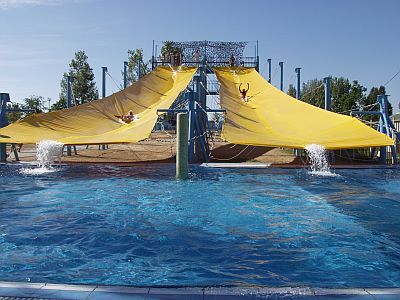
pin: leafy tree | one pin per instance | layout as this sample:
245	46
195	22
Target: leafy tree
370	103
13	116
292	91
135	57
83	85
371	99
60	104
169	49
36	103
345	95
312	92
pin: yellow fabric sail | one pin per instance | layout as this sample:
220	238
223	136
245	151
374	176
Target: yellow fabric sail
272	118
96	123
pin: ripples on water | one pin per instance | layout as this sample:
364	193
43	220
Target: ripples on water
138	226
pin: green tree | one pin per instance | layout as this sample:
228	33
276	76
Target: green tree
13	116
36	103
60	104
168	50
345	96
370	103
135	59
312	92
83	85
292	91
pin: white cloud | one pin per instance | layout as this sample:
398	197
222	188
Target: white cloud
5	4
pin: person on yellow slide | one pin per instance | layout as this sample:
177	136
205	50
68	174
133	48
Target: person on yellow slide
127	118
244	92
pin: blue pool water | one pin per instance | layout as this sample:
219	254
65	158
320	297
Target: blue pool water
138	226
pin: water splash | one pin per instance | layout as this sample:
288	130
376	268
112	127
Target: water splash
318	160
47	152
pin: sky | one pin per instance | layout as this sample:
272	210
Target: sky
356	39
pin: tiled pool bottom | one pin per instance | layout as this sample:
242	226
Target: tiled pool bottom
38	291
137	226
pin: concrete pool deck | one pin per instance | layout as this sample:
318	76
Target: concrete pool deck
25	291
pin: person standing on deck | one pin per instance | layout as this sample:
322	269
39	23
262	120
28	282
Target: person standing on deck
232	61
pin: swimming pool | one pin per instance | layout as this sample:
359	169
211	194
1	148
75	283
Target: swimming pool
138	226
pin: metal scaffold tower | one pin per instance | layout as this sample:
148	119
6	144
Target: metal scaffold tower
204	55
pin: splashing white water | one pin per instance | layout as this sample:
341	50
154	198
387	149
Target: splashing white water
318	160
47	152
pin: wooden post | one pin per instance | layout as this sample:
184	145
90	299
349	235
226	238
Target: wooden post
182	165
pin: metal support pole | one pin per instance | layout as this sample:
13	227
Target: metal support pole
192	116
182	165
125	74
327	83
201	132
383	103
269	69
384	126
69	104
201	115
298	92
103	87
103	94
139	68
297	152
4	98
258	59
153	54
281	65
15	151
69	94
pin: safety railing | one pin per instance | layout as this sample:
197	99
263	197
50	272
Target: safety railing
247	62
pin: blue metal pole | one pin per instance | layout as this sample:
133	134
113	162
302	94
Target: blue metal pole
202	117
258	59
281	65
269	69
327	83
125	74
192	115
202	139
4	98
103	95
69	96
297	152
103	87
382	129
383	102
298	92
139	68
153	54
69	104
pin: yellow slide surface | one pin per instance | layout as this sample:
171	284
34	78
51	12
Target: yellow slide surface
273	118
95	122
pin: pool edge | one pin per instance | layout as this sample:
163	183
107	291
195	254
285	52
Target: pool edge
82	291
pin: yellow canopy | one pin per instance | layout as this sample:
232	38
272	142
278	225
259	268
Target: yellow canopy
96	123
272	118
